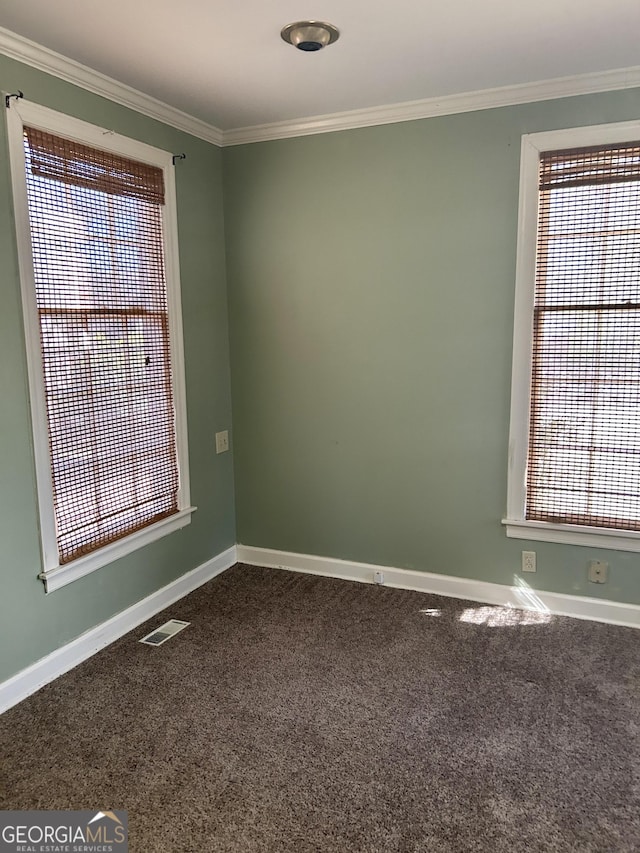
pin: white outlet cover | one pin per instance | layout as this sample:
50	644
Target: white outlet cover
598	571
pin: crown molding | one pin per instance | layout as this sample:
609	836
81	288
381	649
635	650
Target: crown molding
484	99
37	56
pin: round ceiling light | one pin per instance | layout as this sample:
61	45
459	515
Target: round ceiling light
310	35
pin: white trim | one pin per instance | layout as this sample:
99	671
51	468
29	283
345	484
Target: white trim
26	682
517	526
519	595
37	56
35	676
568	534
62	575
523	329
32	338
176	333
483	99
22	113
28	112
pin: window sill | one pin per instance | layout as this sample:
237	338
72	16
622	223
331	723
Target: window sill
570	534
59	576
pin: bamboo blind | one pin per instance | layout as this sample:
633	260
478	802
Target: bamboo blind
96	231
584	450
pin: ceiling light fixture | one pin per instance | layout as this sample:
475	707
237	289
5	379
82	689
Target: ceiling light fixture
310	35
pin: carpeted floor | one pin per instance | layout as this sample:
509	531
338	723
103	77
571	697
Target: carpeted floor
308	714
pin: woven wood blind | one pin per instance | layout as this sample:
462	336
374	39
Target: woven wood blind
80	165
96	231
584	453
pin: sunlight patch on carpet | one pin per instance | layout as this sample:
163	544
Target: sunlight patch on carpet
500	617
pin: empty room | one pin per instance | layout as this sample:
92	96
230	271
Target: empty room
320	427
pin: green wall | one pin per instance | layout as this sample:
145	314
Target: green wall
371	281
371	288
33	624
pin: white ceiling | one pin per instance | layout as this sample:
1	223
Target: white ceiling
225	63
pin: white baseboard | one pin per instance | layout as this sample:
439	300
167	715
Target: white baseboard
520	595
26	682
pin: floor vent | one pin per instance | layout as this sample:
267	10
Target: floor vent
164	632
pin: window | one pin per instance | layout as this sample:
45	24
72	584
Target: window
574	468
97	232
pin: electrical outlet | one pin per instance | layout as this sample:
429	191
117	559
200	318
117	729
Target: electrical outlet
378	577
222	441
528	561
598	571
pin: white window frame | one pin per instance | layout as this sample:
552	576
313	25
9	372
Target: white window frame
517	526
19	114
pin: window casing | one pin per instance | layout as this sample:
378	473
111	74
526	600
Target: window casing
574	453
97	244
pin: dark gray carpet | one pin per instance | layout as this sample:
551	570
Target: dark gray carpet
308	714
